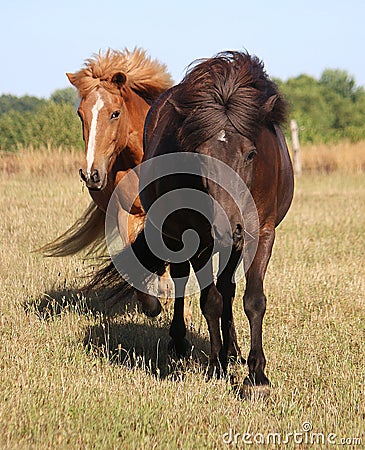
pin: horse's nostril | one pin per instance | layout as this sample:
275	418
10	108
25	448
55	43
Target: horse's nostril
238	231
95	178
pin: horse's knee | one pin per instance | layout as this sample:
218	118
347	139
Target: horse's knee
254	305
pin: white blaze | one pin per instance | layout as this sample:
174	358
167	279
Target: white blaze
222	136
92	136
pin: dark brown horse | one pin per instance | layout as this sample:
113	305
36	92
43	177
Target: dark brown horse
223	117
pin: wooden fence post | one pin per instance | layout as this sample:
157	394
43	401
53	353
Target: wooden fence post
296	147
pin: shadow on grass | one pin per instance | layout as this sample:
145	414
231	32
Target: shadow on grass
117	337
144	346
57	301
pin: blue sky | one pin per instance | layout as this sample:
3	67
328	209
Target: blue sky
41	40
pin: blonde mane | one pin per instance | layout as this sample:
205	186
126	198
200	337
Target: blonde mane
149	78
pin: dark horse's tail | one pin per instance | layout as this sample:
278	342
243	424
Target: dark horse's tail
132	268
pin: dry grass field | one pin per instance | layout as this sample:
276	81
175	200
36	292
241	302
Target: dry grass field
70	378
345	157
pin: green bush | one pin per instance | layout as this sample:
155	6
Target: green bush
53	124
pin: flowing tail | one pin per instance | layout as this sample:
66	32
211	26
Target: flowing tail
88	232
124	273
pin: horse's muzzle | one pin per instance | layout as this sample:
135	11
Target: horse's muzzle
92	180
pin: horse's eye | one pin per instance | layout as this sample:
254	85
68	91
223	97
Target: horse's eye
115	115
251	155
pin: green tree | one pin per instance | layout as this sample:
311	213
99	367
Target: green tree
339	82
308	106
68	95
22	104
328	109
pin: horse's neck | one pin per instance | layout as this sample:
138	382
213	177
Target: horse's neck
128	158
137	111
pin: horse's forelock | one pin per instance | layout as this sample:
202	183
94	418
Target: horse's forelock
147	77
229	90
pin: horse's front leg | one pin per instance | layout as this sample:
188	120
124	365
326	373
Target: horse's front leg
227	287
180	274
211	305
255	305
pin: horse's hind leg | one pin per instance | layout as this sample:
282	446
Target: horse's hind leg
180	274
255	306
227	287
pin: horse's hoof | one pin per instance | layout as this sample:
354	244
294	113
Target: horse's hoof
152	312
151	305
181	349
250	391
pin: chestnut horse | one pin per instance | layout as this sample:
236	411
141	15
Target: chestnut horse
116	90
225	114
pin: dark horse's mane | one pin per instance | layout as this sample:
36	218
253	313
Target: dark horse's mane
230	90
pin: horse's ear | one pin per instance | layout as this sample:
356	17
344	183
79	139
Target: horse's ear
270	103
119	79
71	78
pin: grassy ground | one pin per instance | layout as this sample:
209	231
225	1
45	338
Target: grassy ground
71	379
